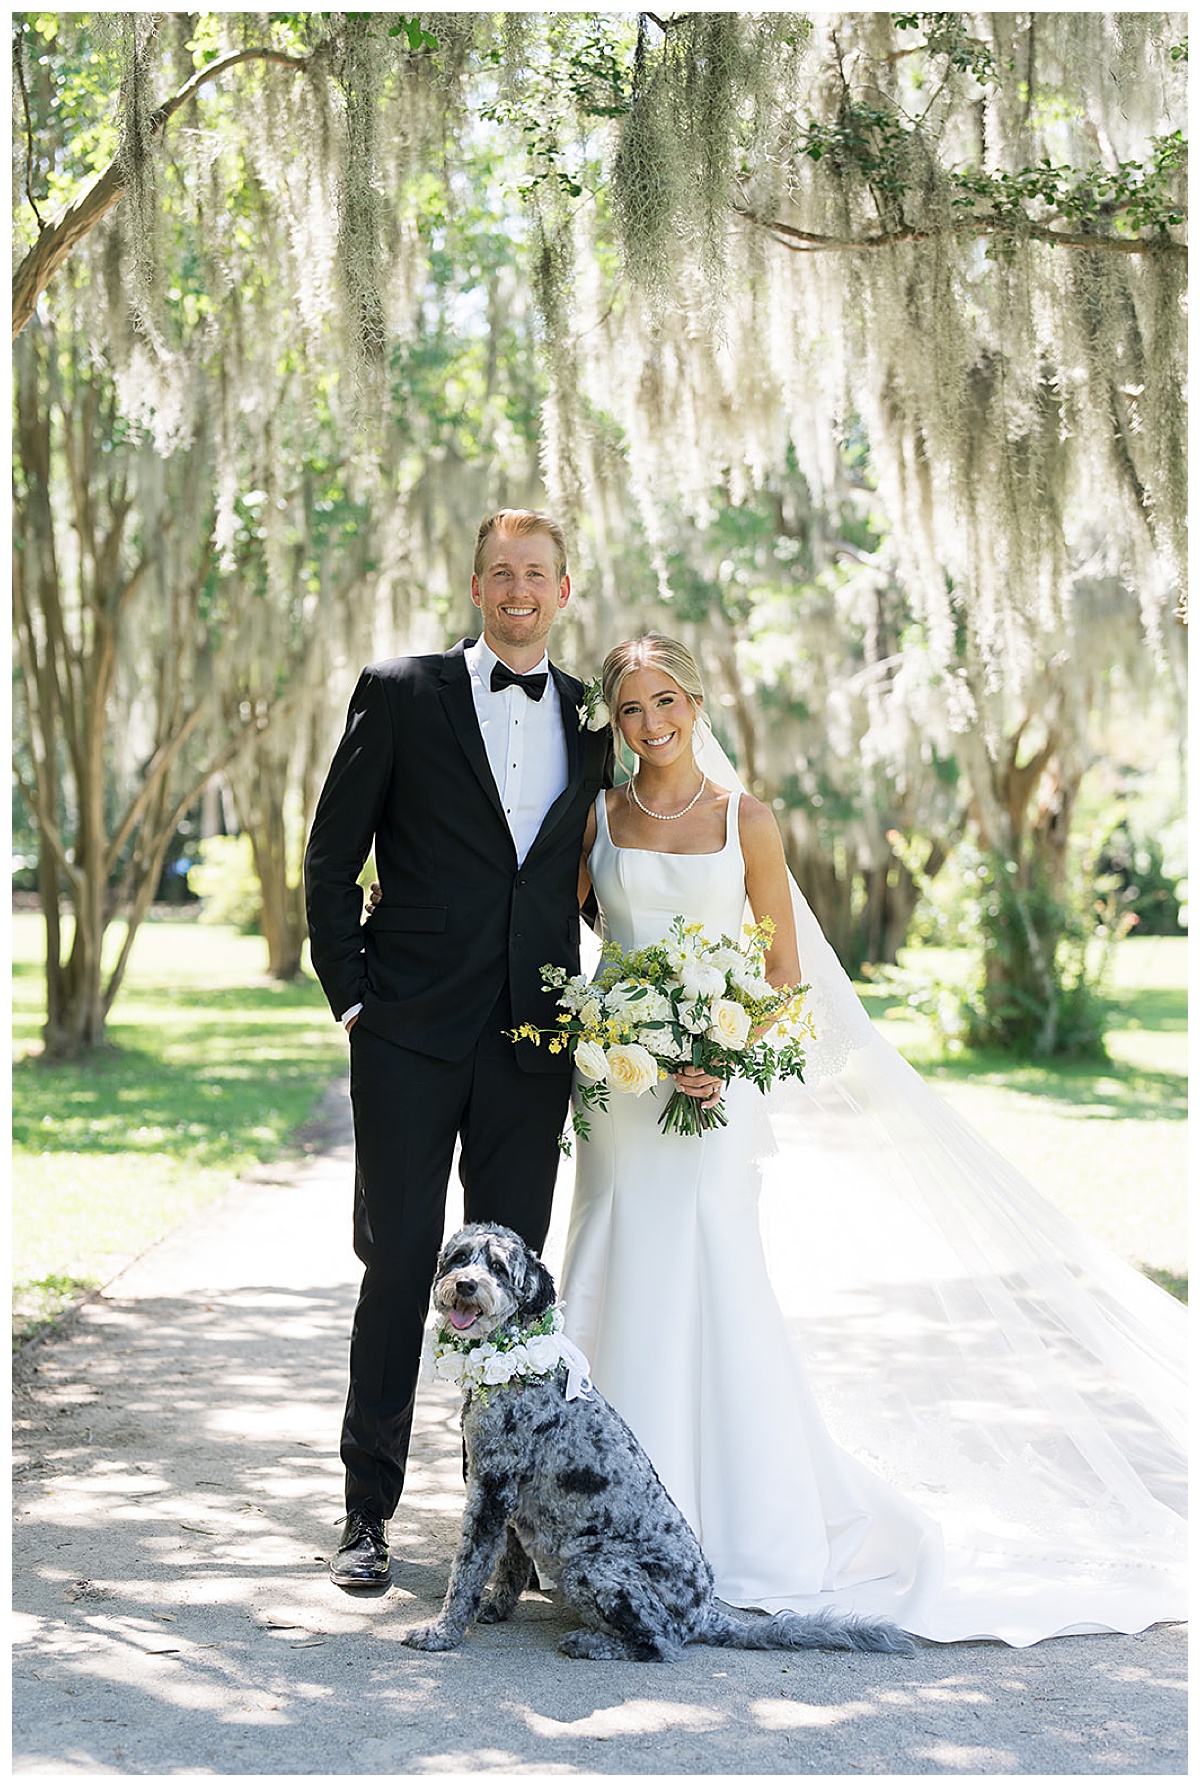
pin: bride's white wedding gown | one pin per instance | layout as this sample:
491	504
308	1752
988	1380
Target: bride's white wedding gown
958	1501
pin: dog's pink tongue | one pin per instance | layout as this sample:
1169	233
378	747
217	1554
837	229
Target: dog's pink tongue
460	1319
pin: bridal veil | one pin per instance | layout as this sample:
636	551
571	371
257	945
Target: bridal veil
971	1344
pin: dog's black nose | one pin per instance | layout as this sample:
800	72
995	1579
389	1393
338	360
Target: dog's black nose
465	1287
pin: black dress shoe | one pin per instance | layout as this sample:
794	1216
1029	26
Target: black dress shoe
362	1556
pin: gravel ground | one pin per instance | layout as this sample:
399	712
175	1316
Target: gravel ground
177	1495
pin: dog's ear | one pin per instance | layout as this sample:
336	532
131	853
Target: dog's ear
537	1288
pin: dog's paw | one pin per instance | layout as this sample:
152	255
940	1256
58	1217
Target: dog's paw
434	1636
597	1647
492	1612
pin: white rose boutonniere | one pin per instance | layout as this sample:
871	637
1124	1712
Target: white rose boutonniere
593	711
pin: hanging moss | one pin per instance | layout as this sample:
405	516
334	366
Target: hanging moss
896	269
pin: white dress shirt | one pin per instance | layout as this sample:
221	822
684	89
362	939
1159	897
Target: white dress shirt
525	744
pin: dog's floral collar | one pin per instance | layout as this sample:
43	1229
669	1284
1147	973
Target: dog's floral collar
593	710
506	1354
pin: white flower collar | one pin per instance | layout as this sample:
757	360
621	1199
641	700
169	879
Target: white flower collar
511	1353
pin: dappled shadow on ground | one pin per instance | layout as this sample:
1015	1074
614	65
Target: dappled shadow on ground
1095	1092
178	1491
1092	1089
133	1101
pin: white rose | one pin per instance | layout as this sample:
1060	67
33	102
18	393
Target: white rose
730	1024
701	979
449	1366
496	1370
631	1068
519	1361
543	1351
728	960
590	1059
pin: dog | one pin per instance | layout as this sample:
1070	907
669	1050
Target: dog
557	1480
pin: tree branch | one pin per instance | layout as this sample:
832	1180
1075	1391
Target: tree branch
19	59
47	826
152	778
58	239
808	242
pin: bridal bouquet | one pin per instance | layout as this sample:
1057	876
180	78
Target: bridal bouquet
684	1002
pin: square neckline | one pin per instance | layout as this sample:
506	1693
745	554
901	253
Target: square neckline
637	850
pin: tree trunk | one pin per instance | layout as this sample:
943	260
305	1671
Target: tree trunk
1026	913
260	784
891	899
74	614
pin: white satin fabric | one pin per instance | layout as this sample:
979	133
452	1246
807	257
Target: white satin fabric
934	1398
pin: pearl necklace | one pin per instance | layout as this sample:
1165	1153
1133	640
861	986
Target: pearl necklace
649	811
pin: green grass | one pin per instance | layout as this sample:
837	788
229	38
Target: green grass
1105	1141
211	1069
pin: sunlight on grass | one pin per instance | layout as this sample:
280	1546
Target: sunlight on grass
212	1068
1105	1142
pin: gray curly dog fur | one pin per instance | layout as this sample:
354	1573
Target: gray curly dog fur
566	1485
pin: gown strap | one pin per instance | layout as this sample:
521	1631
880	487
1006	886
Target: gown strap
732	808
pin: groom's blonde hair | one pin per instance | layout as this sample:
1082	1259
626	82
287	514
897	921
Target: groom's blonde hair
652	651
520	522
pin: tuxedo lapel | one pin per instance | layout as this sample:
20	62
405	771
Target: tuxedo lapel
459	705
568	699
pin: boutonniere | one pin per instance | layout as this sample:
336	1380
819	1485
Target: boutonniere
593	713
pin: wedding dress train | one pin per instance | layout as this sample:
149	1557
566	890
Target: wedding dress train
932	1397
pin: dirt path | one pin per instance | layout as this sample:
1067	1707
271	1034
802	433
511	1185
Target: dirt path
177	1493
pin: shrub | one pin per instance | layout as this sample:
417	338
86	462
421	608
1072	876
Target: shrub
226	882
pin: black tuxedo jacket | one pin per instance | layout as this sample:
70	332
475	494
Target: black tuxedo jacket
459	918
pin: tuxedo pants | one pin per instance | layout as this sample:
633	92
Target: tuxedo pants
409	1110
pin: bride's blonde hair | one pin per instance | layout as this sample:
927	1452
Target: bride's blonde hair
652	651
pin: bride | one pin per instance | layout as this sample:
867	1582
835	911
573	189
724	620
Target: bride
932	1397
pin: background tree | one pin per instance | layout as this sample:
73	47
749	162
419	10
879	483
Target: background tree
951	239
117	676
851	346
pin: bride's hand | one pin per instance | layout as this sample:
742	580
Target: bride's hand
698	1084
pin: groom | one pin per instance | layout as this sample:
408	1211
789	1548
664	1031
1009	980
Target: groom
470	774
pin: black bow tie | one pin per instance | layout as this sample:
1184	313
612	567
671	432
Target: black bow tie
534	684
